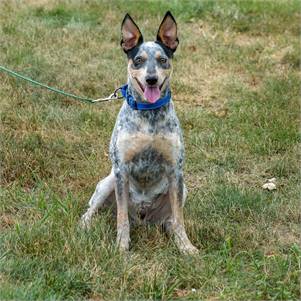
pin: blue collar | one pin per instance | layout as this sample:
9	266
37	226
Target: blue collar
144	106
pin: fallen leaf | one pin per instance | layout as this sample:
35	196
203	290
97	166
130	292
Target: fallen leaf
182	293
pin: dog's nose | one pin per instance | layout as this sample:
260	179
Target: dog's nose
151	80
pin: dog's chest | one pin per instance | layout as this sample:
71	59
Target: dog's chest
147	158
148	146
147	138
132	146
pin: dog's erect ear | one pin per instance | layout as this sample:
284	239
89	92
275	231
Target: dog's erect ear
167	33
130	34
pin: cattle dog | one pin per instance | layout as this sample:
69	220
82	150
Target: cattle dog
146	182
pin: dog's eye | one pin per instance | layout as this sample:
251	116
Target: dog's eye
138	61
163	60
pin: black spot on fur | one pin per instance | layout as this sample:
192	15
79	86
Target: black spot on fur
133	52
147	167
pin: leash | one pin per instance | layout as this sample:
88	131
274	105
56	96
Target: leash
113	96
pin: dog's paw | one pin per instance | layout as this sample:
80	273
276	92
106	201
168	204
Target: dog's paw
189	250
123	239
123	245
184	245
85	221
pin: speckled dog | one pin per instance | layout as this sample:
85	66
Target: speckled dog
146	148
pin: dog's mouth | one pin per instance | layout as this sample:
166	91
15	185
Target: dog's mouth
151	93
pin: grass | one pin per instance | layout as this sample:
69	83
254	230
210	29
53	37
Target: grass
236	88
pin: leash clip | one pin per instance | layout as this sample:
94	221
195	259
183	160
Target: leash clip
113	96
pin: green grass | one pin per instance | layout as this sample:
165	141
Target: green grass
236	86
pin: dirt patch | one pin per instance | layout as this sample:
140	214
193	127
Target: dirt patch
6	221
44	3
279	55
244	40
287	236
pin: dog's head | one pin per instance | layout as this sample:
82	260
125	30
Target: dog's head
149	63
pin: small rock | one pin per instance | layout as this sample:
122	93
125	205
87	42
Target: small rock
272	180
269	186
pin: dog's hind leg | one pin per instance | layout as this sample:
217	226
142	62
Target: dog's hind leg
102	193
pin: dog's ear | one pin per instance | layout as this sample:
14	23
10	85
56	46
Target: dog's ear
167	33
130	34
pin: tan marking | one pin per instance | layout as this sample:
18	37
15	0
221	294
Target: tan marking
157	54
168	146
177	210
136	73
132	144
164	73
144	55
122	216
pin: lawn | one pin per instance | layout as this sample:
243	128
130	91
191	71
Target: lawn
236	88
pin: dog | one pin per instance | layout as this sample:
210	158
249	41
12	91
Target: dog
147	152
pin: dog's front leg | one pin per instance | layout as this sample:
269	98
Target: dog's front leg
176	197
122	199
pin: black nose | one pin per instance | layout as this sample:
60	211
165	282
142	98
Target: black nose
151	80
